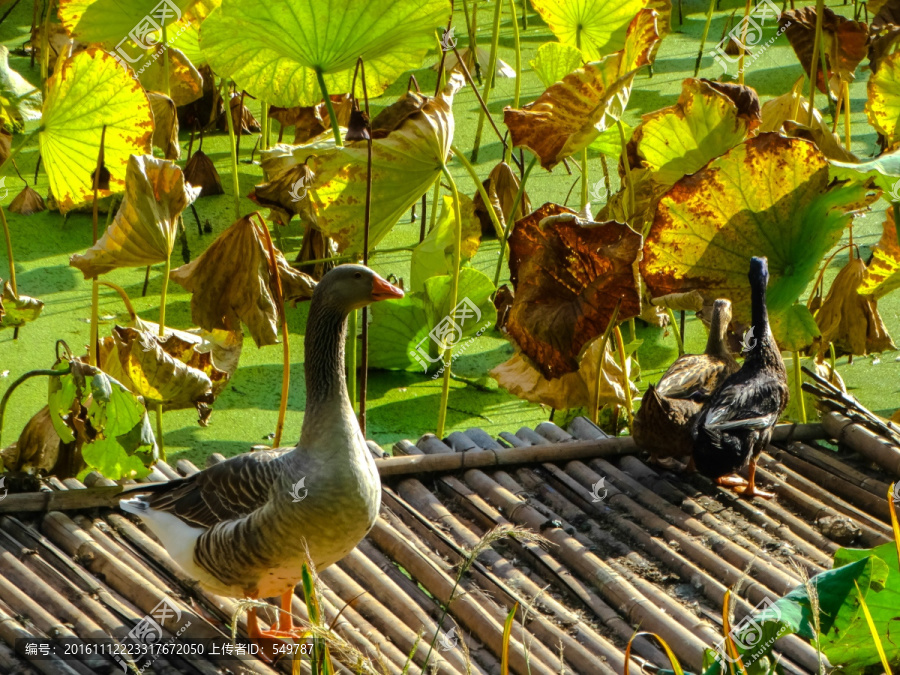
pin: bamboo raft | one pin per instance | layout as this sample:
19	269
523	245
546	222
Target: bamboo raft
658	550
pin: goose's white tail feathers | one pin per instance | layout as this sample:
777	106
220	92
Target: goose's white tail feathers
177	537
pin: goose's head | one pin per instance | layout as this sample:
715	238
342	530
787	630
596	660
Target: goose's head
759	272
350	287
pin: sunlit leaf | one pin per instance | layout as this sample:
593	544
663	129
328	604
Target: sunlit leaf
568	279
17	310
19	99
231	283
89	91
883	102
144	229
165	125
259	45
596	27
434	255
745	204
572	113
883	273
554	61
109	21
185	81
501	186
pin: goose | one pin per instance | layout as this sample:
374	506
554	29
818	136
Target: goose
736	423
664	422
245	527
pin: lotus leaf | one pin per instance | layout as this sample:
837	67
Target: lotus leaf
596	27
554	61
274	50
17	310
19	100
883	273
501	186
201	172
769	196
144	229
85	93
567	280
434	254
165	125
185	81
27	202
572	113
231	283
789	115
883	102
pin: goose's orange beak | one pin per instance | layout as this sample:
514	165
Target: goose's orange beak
384	290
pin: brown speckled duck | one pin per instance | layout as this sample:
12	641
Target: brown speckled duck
663	423
243	527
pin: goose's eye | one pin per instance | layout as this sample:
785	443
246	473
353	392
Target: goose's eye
359	275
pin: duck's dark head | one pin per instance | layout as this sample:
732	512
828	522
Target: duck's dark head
349	287
759	272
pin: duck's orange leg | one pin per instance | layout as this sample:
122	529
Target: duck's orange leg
750	490
731	480
285	630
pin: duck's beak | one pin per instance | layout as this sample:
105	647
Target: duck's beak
384	290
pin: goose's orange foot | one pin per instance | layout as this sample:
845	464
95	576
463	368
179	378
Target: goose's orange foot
750	490
273	639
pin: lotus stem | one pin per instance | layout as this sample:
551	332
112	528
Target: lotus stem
679	340
798	386
264	135
605	169
524	15
335	129
845	86
481	102
345	258
162	296
93	352
20	380
435	198
709	13
122	294
628	178
454	292
364	365
584	178
595	398
626	381
9	252
489	79
518	48
469	26
833	361
45	49
165	45
146	281
510	219
481	191
232	143
743	42
160	444
814	63
632	329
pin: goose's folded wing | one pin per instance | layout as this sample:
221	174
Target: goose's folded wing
225	491
749	407
692	376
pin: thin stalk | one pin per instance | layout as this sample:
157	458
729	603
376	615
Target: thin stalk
264	124
678	339
709	13
489	79
628	178
524	15
584	178
896	208
798	387
510	220
45	49
165	45
344	258
9	253
20	380
832	357
286	347
435	198
160	444
481	102
595	398
335	129
481	191
454	292
814	63
93	352
12	155
743	42
518	84
836	120
626	381
846	89
162	296
364	361
232	144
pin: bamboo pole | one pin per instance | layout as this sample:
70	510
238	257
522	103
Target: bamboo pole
862	440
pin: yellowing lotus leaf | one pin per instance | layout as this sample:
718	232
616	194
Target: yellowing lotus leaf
274	49
17	310
434	254
231	282
165	125
883	273
111	21
769	196
554	61
85	93
405	163
682	138
572	113
185	81
883	102
144	229
789	114
596	27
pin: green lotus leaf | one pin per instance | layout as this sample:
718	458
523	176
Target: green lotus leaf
19	100
596	27
555	60
883	100
883	171
17	310
108	22
144	229
745	204
434	255
274	49
85	93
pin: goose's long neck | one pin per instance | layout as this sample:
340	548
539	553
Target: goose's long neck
765	351
715	343
327	401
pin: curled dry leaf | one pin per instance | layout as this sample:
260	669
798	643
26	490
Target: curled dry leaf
570	114
788	114
849	320
27	202
692	301
39	449
709	225
883	273
201	173
883	30
231	283
521	377
165	125
17	310
144	229
567	280
285	191
310	121
243	120
501	186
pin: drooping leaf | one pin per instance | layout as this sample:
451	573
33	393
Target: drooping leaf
501	186
230	282
883	99
17	310
434	255
554	61
883	273
165	125
19	99
259	45
87	92
310	121
596	27
405	163
185	81
745	204
883	171
410	332
200	172
27	202
572	113
567	280
144	228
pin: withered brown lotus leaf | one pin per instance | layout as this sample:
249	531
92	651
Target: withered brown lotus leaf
165	125
241	117
745	99
501	186
358	126
28	201
310	121
231	283
567	280
201	172
883	273
691	301
570	114
846	42
850	320
522	378
397	113
17	310
144	228
285	193
39	449
5	144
